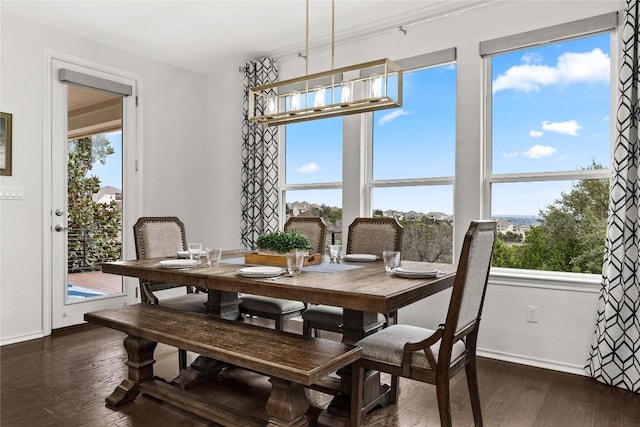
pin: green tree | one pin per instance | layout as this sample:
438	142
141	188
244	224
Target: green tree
430	241
94	228
503	256
571	233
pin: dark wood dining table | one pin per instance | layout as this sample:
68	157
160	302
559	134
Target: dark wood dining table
362	289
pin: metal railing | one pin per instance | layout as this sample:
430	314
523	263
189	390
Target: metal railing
88	247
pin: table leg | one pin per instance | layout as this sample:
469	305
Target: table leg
222	305
140	361
357	325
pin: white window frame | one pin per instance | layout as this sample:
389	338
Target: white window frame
421	62
357	159
585	27
284	187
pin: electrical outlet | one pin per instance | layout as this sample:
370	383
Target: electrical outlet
532	313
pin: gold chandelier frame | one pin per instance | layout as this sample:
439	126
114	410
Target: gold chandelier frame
370	86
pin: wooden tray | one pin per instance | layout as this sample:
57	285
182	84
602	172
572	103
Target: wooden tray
278	260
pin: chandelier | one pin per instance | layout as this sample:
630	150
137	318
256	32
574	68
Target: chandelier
374	85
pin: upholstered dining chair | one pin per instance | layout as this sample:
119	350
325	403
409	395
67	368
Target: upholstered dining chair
278	309
155	237
313	227
435	356
366	236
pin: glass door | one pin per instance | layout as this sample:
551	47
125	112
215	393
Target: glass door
88	195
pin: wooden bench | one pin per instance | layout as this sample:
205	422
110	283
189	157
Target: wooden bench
291	361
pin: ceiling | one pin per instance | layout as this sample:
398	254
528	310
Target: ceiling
199	35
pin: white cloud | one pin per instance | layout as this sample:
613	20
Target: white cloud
605	118
587	67
393	115
510	155
570	127
535	133
531	58
539	151
309	168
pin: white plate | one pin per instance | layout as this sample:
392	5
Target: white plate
178	263
260	272
360	257
416	272
185	254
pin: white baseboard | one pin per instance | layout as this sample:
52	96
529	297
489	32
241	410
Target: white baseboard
21	338
530	361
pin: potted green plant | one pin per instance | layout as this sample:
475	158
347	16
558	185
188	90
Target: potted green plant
281	242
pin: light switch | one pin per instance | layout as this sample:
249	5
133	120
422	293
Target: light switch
14	192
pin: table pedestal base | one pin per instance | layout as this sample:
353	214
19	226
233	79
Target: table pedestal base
140	361
221	305
287	404
202	369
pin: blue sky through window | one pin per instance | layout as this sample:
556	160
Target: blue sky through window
314	151
417	140
550	113
551	107
110	173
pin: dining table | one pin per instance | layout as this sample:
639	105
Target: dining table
362	288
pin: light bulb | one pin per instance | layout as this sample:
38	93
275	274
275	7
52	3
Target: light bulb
272	105
295	101
376	86
319	97
345	95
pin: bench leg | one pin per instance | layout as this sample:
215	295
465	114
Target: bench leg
140	361
287	404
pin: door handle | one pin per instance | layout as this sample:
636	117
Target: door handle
58	212
59	228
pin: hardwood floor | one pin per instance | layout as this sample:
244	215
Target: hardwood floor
63	380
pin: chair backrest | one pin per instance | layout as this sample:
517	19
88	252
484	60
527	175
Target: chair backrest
313	227
470	284
158	236
374	235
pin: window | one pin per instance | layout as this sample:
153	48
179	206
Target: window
413	163
548	146
313	172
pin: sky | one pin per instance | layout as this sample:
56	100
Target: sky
550	112
110	173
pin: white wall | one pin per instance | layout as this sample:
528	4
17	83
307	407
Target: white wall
567	312
173	113
188	130
222	151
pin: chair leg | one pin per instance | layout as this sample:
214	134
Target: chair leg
474	393
182	358
279	323
395	389
357	394
444	406
306	330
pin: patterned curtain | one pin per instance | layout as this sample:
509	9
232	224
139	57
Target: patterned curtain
259	198
615	351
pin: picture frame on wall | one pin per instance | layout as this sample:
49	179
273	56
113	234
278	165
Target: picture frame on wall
5	143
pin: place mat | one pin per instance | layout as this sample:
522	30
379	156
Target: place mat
330	268
178	263
236	260
324	267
